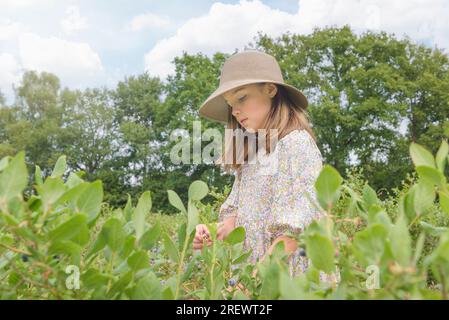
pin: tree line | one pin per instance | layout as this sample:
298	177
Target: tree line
370	95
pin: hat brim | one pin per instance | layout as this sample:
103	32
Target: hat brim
215	108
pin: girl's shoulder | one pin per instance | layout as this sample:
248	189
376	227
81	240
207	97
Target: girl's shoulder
298	141
296	137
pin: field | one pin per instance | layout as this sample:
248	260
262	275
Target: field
62	241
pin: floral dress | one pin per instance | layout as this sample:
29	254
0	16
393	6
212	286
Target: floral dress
273	195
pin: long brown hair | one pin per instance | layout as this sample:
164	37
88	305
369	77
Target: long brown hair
284	115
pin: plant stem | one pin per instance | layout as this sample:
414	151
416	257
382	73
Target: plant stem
180	265
14	249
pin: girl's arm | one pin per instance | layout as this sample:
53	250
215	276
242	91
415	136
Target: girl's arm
290	244
225	227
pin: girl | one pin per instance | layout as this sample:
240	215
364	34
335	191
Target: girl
252	96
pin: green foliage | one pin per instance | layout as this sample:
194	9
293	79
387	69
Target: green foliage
363	87
85	146
129	254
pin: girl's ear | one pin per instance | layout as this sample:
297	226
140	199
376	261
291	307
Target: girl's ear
271	89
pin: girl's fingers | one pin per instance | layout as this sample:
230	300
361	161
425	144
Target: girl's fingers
196	241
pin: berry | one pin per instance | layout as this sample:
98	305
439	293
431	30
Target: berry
302	252
24	257
232	282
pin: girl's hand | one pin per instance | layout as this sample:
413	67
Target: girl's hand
225	228
202	236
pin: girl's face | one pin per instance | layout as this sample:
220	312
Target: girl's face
251	104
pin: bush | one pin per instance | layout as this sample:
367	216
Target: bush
64	242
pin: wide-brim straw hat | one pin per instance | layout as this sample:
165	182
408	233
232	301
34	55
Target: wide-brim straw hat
246	67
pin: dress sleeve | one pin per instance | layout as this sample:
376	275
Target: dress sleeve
230	206
294	197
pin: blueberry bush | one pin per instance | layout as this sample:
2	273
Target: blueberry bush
59	240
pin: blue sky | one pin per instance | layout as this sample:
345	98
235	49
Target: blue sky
95	43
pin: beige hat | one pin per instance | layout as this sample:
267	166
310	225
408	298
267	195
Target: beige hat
246	67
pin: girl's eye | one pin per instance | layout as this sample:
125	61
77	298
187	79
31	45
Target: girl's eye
242	98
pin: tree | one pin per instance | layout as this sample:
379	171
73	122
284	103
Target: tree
361	89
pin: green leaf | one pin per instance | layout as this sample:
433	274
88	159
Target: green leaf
373	212
51	191
442	156
270	284
139	260
176	201
407	203
82	237
424	197
193	217
432	230
128	247
290	289
68	229
4	162
143	208
121	284
99	244
242	258
93	278
431	175
198	190
444	201
419	248
147	288
89	201
370	196
328	187
113	234
14	178
236	236
66	247
149	238
170	248
369	244
400	240
38	176
73	180
421	156
71	196
321	251
128	211
60	167
182	235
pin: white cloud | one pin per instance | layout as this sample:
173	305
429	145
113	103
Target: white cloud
422	20
9	29
224	28
72	61
9	72
75	63
73	21
147	21
229	26
17	4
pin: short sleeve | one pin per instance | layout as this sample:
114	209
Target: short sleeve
294	201
230	206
